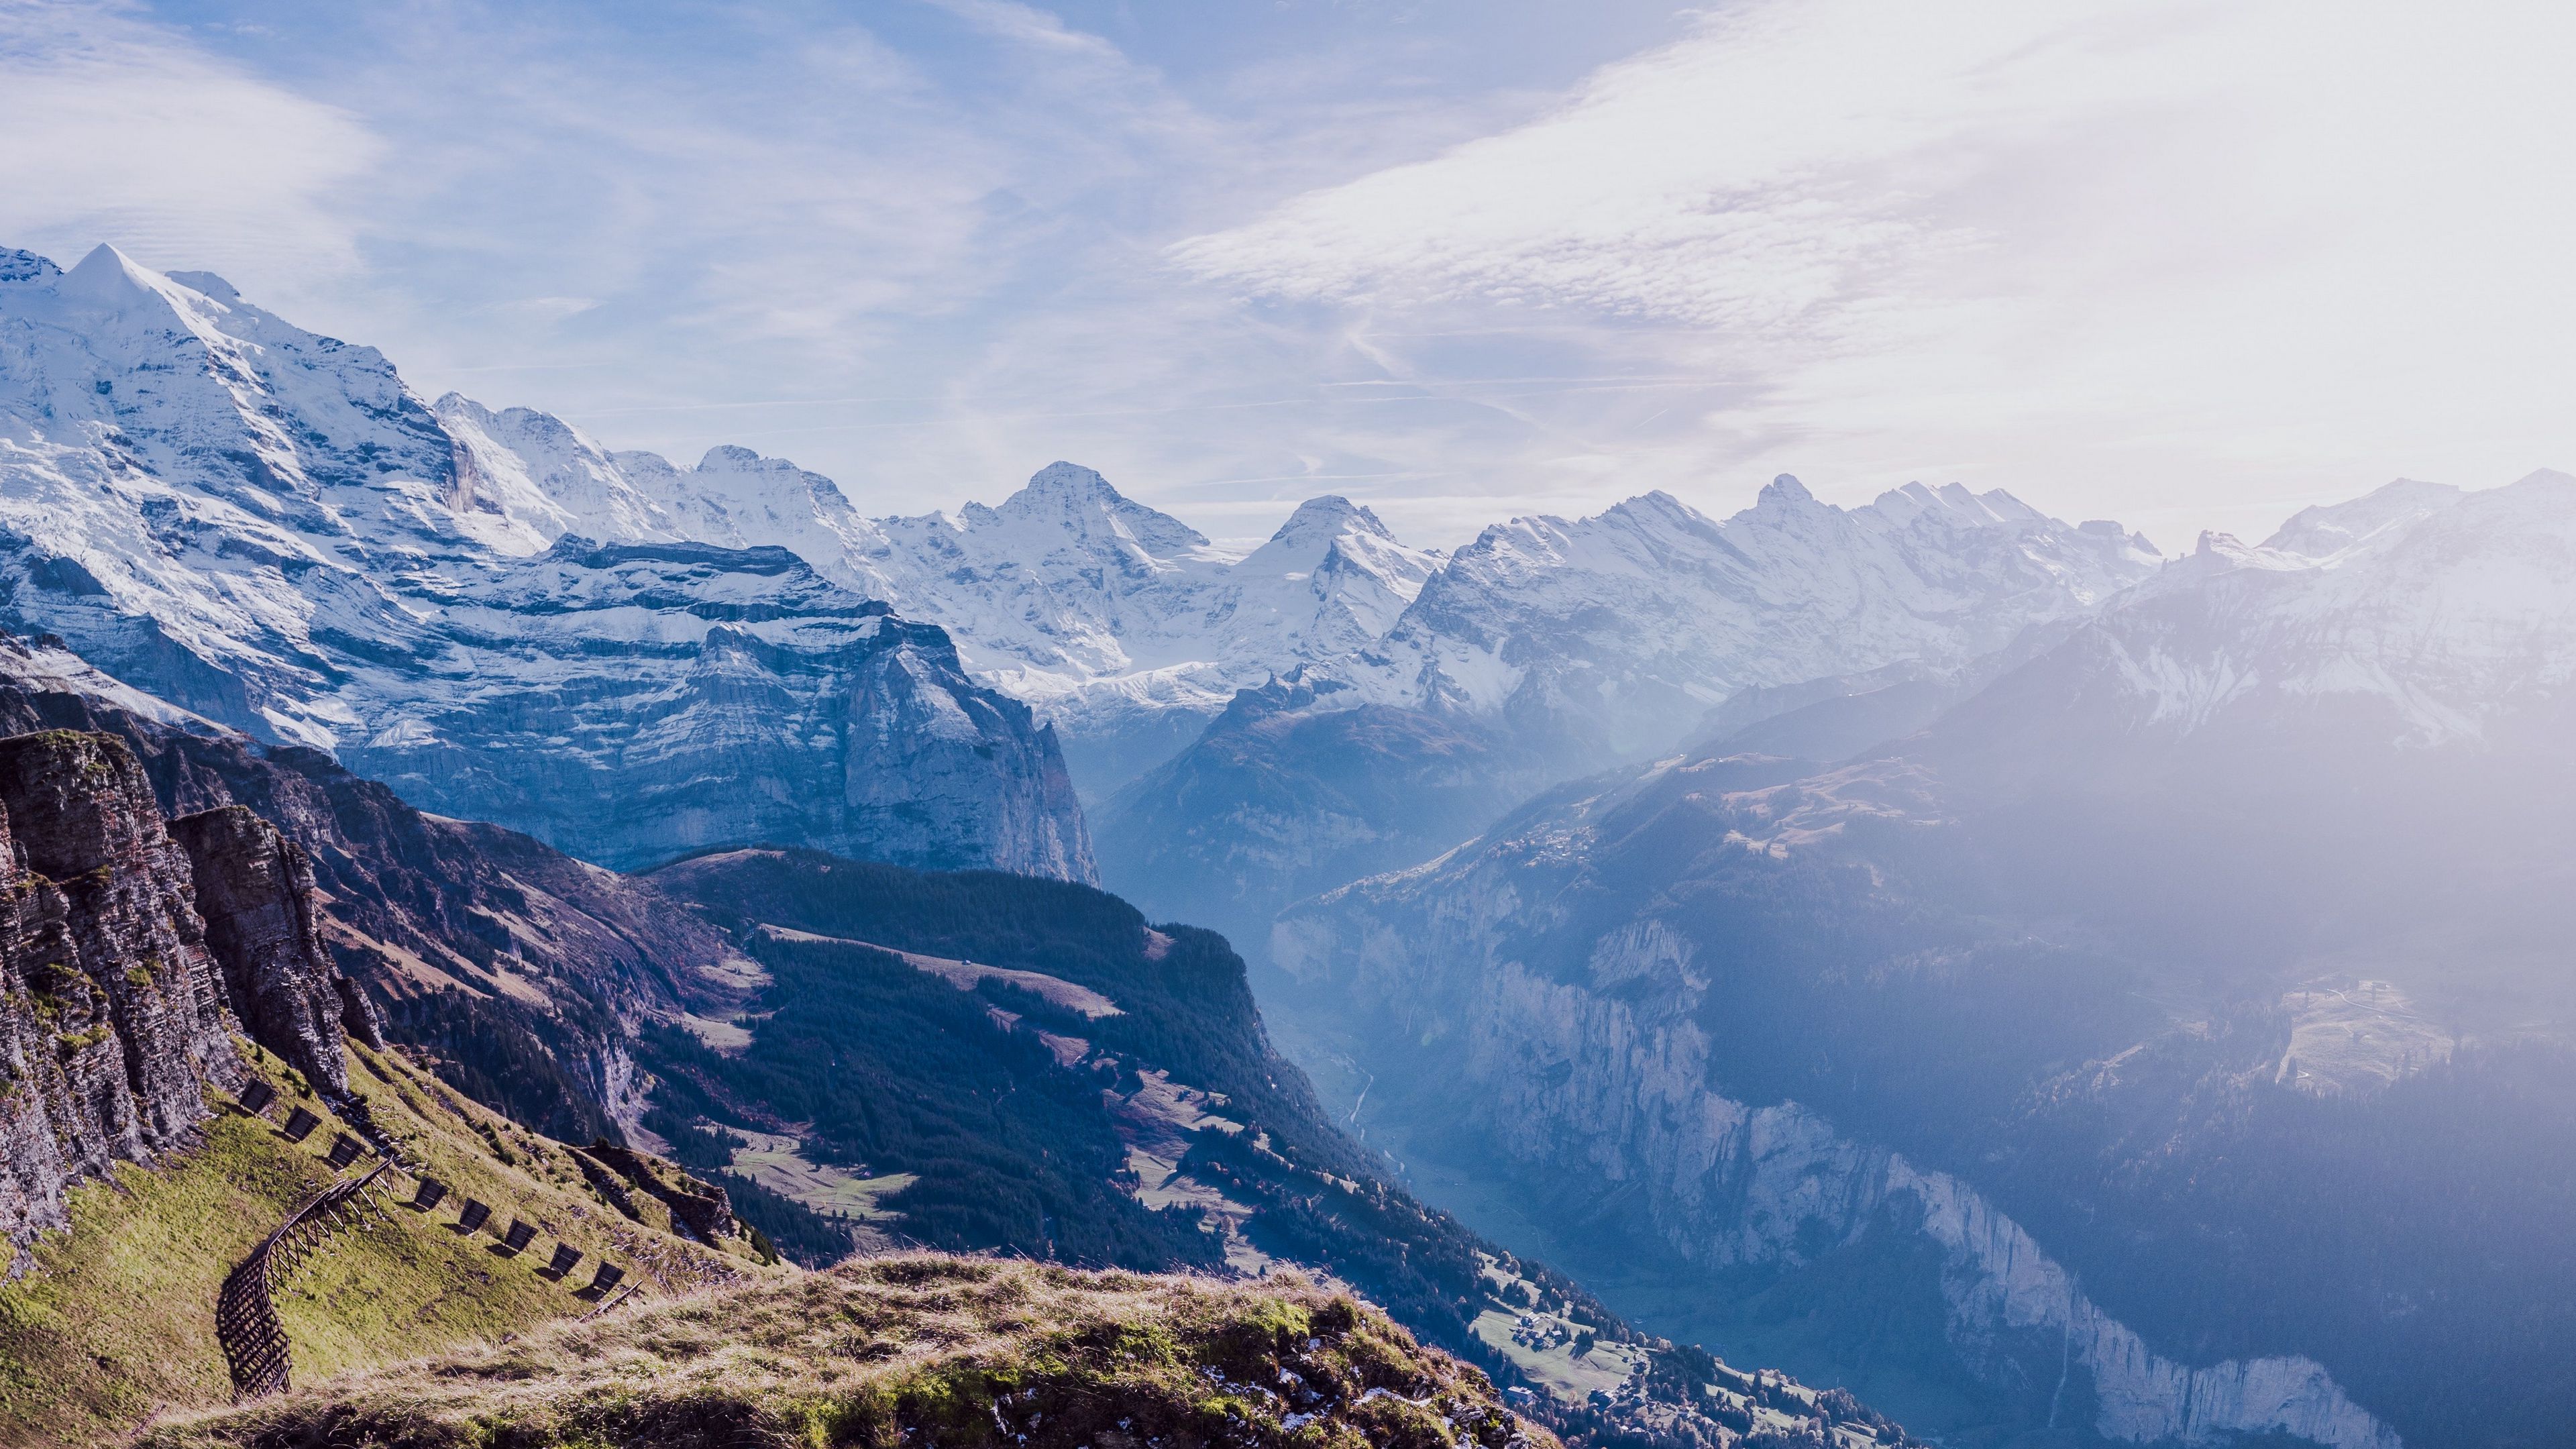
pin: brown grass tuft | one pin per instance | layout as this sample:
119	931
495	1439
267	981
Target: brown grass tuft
911	1352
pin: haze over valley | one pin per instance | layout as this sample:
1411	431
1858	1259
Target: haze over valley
1246	808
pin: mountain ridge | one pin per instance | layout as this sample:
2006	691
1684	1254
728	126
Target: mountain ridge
269	528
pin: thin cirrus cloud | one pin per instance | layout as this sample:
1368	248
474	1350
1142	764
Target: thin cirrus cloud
2173	261
115	132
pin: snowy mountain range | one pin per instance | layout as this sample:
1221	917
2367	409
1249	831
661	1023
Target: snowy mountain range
2421	613
1124	626
1610	637
267	527
1548	649
271	527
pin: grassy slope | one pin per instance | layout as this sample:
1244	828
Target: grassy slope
959	1352
117	1318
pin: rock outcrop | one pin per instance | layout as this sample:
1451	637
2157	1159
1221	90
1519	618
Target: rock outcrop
701	1207
112	1013
1570	1077
131	950
255	893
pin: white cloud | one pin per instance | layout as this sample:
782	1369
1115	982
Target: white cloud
2142	252
119	131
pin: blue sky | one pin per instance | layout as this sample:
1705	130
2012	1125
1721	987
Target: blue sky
2183	264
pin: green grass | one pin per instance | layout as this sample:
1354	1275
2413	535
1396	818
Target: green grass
920	1349
115	1320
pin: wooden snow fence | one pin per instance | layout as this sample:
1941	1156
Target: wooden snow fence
246	1322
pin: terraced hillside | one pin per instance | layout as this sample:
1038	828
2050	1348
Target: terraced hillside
115	1320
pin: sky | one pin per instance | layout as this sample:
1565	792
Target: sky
2181	263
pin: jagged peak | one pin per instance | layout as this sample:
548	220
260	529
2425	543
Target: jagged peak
1063	493
1955	503
1785	500
1649	513
109	278
518	422
1656	506
1329	516
736	459
25	266
1064	483
1786	491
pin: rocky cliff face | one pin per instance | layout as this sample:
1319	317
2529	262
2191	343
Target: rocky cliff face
255	893
293	901
521	973
631	703
1611	1080
1578	993
114	1019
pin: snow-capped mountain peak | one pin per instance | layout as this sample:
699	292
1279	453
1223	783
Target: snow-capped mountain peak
1110	616
2419	614
2325	532
1320	526
547	477
1325	518
1612	635
109	279
1783	492
1068	505
192	394
1067	593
